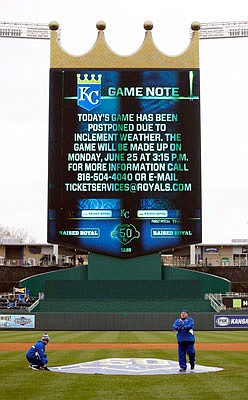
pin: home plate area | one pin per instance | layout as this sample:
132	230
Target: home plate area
131	366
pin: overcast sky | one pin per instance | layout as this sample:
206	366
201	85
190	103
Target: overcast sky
24	92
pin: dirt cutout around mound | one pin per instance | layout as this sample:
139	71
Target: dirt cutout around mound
159	346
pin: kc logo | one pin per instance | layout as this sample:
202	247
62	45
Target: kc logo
88	91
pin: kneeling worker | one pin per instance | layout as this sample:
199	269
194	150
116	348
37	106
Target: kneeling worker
36	354
185	339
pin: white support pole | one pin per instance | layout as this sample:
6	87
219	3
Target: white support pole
192	254
56	252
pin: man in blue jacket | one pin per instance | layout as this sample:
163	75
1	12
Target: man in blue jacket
36	355
184	327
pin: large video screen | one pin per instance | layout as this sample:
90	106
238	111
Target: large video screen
124	160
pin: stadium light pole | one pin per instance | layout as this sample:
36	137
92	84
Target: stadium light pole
221	30
25	30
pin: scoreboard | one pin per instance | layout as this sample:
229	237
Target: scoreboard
124	159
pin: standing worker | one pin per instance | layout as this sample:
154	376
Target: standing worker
36	354
184	327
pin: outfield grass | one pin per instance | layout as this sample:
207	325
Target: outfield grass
121	336
20	383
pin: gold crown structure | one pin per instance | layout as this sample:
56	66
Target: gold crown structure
101	55
91	81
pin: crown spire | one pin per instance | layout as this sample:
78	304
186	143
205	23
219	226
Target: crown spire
102	56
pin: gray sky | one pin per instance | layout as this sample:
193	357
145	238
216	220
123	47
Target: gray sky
24	92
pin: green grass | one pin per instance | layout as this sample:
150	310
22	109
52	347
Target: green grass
121	336
20	383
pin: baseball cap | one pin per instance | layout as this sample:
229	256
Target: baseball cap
186	311
45	337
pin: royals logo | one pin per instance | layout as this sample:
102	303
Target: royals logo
88	91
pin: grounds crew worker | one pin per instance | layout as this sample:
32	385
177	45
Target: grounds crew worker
36	354
185	338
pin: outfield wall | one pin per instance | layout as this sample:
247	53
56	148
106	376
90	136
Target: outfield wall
117	321
161	321
112	321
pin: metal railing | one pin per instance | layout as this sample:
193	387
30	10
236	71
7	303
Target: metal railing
220	296
10	262
215	301
33	305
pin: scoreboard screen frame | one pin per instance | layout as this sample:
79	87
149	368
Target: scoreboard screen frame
124	159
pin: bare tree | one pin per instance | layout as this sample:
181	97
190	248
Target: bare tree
17	234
